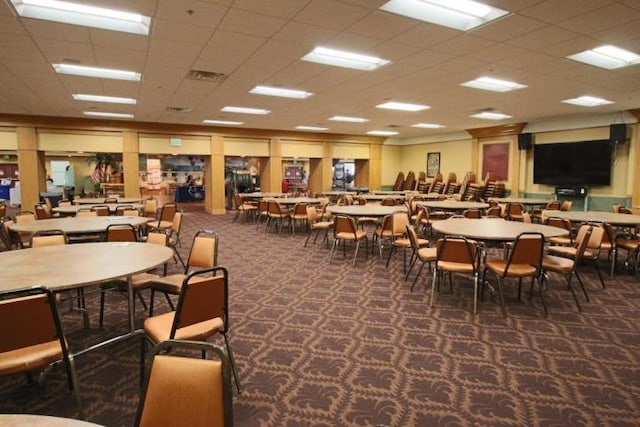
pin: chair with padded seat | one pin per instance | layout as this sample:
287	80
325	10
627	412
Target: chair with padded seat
457	255
101	210
165	218
345	230
420	252
514	211
568	266
244	209
51	237
139	281
174	235
41	211
36	341
203	255
298	215
198	391
202	311
564	224
524	261
277	214
317	225
262	212
472	213
126	210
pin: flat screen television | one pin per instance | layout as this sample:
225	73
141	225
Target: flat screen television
586	163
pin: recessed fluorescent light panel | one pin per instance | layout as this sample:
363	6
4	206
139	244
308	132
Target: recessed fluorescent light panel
382	132
105	73
608	57
587	101
348	119
105	114
401	106
100	98
495	85
278	91
491	116
80	14
340	58
245	110
311	128
222	122
462	15
427	126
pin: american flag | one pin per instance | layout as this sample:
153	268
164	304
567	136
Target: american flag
96	177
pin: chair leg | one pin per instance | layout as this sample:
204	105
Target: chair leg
415	280
434	281
584	290
232	361
595	265
101	318
355	254
475	293
504	311
333	248
575	297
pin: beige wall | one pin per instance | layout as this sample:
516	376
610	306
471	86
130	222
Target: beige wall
391	164
455	156
246	147
162	145
8	140
91	142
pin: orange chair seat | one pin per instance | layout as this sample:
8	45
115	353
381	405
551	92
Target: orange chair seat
345	235
158	328
557	263
29	358
499	266
455	267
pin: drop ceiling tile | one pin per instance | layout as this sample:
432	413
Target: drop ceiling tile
17	47
543	37
52	30
354	43
123	59
174	50
601	19
331	14
254	24
381	25
190	12
10	25
119	40
285	9
508	27
624	35
554	12
463	44
426	35
498	52
61	51
181	32
306	34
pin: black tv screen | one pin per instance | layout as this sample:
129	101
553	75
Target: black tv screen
573	163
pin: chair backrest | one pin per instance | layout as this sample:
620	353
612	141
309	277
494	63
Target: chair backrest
625	210
413	237
168	211
33	316
300	210
84	213
204	251
101	210
388	201
312	214
553	205
65	203
176	223
198	391
121	233
566	205
457	250
263	206
48	238
526	217
399	223
514	209
587	231
559	222
24	216
274	207
150	208
3	210
494	211
120	209
41	212
527	249
344	224
158	238
472	213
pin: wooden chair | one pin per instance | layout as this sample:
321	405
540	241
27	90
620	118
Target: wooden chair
36	340
201	312
344	230
203	255
455	255
244	209
316	225
173	234
524	261
51	237
277	215
101	210
198	391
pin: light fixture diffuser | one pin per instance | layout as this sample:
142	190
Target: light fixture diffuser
402	106
427	126
495	85
348	119
488	115
462	15
101	98
311	128
282	92
340	58
245	110
382	132
222	122
80	14
587	101
608	57
105	73
106	114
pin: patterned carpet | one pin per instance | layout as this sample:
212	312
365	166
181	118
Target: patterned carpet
336	345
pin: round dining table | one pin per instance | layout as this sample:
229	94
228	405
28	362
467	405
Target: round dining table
365	210
73	209
381	197
30	420
617	219
493	229
73	225
100	200
453	205
295	200
66	267
527	201
260	195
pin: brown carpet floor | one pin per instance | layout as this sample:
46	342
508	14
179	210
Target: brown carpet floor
335	345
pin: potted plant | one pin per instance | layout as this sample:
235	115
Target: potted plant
104	164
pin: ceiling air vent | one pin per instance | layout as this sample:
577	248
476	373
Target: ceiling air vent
206	76
178	110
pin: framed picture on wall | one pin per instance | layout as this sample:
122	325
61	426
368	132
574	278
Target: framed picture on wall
433	164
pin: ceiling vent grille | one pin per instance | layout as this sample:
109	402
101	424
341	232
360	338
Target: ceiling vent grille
206	76
178	110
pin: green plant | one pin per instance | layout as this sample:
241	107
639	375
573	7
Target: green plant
103	162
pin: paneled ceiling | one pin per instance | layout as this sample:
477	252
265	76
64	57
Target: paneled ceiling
260	42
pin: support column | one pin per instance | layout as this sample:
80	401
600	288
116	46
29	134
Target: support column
275	166
131	164
634	162
375	166
214	178
327	165
31	167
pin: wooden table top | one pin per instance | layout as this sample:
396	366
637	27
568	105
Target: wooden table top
521	200
494	229
453	205
100	200
13	420
73	225
380	197
72	266
294	200
365	210
73	209
260	195
595	216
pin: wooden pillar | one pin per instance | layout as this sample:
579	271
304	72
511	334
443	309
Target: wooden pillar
375	166
362	173
634	163
131	164
275	166
327	166
214	178
31	166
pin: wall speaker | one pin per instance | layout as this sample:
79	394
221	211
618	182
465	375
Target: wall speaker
525	141
618	134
